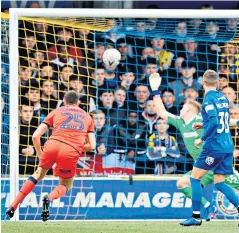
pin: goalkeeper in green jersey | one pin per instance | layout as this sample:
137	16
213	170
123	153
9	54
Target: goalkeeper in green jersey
189	123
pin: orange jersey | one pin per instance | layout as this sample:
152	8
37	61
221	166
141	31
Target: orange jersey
71	125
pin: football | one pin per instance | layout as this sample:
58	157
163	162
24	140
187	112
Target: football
111	57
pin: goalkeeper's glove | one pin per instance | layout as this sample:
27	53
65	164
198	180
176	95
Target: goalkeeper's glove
155	81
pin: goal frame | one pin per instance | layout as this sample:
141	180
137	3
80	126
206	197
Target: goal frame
15	13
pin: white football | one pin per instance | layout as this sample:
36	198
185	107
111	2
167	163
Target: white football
111	57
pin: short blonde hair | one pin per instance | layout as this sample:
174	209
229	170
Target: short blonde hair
210	78
96	112
195	104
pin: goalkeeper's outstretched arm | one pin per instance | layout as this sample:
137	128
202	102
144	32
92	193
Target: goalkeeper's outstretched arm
155	81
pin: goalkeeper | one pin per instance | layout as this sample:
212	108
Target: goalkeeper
189	124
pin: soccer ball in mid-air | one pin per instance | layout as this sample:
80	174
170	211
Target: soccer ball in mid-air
111	57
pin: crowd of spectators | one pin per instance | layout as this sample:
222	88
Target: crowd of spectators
131	138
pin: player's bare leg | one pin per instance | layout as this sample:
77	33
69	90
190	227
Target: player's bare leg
195	181
61	189
27	187
58	192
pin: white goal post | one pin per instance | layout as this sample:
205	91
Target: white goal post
106	13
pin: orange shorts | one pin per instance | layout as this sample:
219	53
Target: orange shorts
63	155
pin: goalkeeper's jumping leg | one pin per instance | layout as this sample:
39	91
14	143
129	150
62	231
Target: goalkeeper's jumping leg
184	186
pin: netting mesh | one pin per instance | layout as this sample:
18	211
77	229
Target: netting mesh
201	29
52	60
4	99
99	24
58	56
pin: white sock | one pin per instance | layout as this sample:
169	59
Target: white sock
207	204
196	212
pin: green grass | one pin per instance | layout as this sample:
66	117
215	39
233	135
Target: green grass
117	227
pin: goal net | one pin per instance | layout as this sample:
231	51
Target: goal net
57	54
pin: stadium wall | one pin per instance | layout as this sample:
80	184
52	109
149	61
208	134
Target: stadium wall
114	198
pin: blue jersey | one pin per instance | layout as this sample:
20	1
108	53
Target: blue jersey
216	118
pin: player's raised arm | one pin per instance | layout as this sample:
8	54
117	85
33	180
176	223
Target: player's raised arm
155	81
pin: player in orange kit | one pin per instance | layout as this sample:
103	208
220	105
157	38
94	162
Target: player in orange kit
72	127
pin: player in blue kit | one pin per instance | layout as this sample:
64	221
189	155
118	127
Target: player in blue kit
217	152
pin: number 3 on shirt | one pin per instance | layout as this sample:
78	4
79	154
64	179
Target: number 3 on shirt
224	117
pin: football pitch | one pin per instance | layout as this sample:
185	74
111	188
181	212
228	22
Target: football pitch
118	227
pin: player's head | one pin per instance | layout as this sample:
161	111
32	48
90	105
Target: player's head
190	108
71	98
210	79
161	126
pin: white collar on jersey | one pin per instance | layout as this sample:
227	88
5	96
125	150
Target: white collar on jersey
189	121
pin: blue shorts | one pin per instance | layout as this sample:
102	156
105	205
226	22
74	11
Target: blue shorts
219	163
